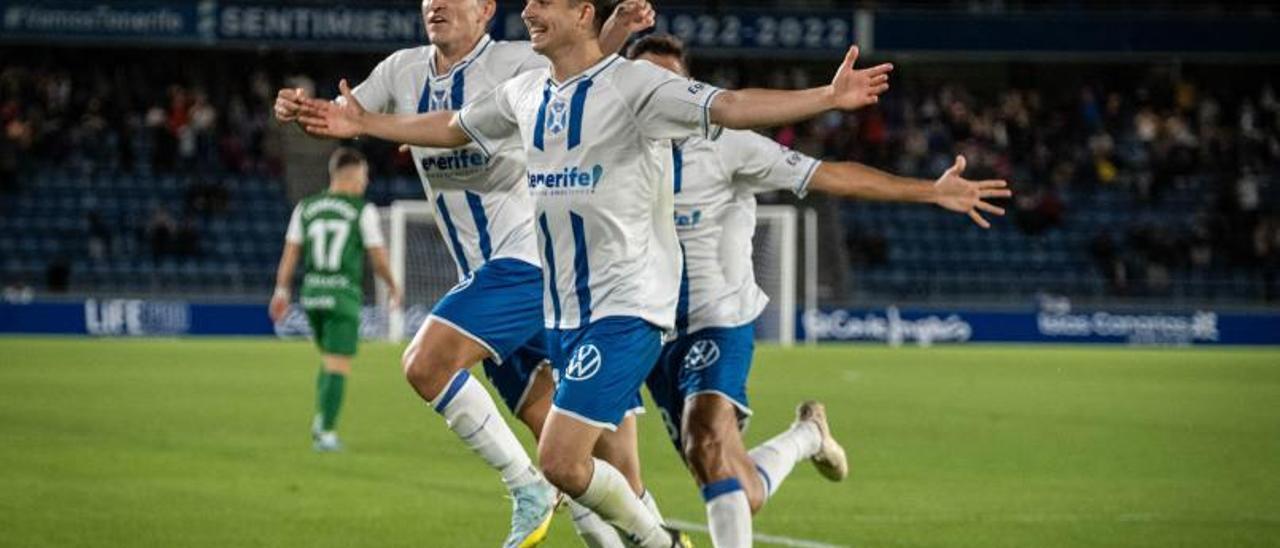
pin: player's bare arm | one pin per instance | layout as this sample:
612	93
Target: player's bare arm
349	119
850	89
284	279
951	191
628	18
382	269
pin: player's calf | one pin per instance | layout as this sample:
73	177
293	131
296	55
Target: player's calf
714	450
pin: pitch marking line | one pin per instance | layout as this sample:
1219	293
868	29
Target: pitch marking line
759	537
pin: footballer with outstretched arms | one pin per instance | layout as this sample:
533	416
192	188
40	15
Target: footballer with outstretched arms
484	212
700	382
331	232
596	130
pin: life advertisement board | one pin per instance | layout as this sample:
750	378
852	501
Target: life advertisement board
925	327
170	318
164	318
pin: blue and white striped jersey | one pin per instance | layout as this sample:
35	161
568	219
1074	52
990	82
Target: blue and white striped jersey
598	147
483	208
716	183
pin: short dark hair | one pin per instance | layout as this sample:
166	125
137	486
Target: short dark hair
659	44
604	10
345	157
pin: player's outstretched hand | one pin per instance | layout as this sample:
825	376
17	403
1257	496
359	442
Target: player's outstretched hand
633	15
289	104
961	195
853	88
279	306
332	119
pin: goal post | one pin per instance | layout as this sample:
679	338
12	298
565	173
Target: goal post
421	263
774	257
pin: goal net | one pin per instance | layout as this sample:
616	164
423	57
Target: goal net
420	259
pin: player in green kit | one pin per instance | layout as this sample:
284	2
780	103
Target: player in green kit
331	232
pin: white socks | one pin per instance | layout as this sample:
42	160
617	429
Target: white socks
610	496
729	511
593	531
775	458
652	504
470	413
728	514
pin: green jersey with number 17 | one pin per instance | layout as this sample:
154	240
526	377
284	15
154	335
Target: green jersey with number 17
334	231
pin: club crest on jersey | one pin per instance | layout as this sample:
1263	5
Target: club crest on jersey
585	363
703	354
440	100
558	118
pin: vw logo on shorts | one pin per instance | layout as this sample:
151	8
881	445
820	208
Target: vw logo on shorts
585	363
702	355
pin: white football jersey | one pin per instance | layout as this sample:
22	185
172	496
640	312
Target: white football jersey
599	157
716	218
483	208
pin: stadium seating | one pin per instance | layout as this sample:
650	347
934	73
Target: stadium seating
931	253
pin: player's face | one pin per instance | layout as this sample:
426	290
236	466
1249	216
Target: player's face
556	23
362	177
456	22
669	62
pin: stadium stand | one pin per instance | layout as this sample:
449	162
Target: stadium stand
1125	188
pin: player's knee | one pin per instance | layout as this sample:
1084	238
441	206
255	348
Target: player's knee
428	370
567	474
704	450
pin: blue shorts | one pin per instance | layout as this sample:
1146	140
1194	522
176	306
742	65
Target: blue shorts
514	376
714	360
499	305
599	368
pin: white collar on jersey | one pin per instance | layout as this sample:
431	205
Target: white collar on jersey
588	74
482	45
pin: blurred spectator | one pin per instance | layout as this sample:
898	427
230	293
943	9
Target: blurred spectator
186	241
57	275
205	197
99	236
160	233
17	292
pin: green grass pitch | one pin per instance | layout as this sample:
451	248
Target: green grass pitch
204	443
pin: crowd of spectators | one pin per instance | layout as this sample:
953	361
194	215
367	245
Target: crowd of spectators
1141	135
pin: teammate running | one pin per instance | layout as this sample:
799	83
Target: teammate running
596	130
332	231
484	212
700	382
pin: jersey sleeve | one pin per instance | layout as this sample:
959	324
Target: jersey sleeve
377	92
669	106
489	119
294	234
371	227
762	165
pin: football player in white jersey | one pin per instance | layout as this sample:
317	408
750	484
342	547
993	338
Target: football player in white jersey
700	382
597	131
485	214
